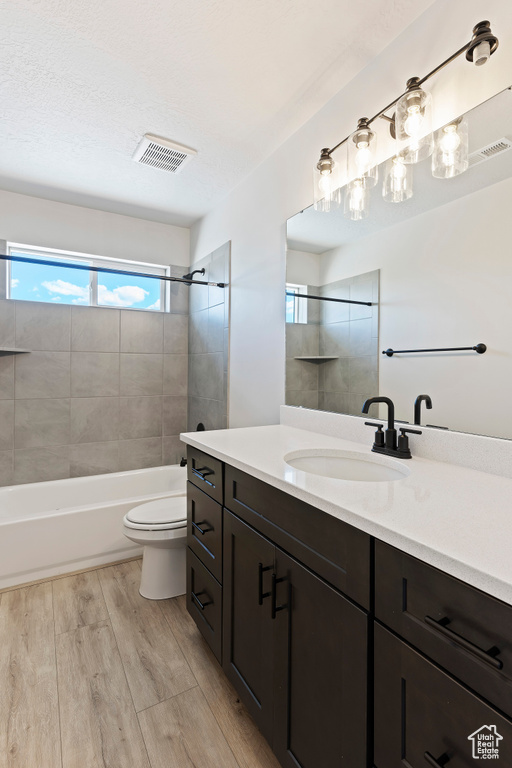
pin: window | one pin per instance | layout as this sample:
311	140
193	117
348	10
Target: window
296	309
71	285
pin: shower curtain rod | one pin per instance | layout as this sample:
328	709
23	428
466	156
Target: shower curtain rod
85	267
328	298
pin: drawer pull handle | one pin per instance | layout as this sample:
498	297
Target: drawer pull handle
439	763
275	608
261	593
203	472
198	602
488	656
200	530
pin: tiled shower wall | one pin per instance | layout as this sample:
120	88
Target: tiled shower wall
347	332
102	390
209	343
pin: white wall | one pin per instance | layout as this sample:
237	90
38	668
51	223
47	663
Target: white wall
303	268
445	280
253	216
34	221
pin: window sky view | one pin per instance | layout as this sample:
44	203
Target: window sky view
65	285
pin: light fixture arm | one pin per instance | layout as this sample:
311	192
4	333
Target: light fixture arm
481	33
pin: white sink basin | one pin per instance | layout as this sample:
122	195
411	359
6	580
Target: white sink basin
347	465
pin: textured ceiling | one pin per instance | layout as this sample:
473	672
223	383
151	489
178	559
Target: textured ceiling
82	81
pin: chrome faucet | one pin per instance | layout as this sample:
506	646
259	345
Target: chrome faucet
387	442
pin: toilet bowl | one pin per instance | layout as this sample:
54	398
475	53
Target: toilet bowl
161	527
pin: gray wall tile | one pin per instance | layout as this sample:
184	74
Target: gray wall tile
6	425
140	417
173	450
180	292
198	332
33	465
138	454
7	335
94	329
216	328
176	375
174	415
141	374
176	334
6	467
43	326
6	377
42	374
94	419
363	374
41	422
142	332
94	459
94	374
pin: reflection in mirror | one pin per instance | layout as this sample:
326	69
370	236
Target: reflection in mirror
438	270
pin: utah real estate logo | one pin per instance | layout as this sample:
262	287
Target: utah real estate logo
486	743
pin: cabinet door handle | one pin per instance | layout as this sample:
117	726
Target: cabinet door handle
261	593
488	656
202	472
200	530
275	608
198	602
439	763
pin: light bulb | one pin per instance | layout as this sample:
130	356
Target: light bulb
398	171
363	156
482	53
397	185
325	183
356	200
414	122
450	140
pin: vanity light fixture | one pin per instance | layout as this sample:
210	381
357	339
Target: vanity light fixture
361	154
326	183
451	150
397	185
356	200
411	125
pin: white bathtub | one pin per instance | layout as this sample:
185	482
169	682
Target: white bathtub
61	526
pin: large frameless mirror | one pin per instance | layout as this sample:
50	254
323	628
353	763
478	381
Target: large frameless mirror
431	272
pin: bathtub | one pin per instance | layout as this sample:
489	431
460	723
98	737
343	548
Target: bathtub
61	526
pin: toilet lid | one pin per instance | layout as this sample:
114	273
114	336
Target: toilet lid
170	510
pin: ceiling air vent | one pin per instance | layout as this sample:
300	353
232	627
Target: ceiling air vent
491	150
162	153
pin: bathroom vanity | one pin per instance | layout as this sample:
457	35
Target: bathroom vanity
346	648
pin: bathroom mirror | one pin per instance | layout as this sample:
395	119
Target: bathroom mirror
437	271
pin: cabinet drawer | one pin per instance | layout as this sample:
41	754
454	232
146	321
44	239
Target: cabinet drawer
423	716
204	529
337	552
204	602
464	630
205	472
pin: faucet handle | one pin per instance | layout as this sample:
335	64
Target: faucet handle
403	442
379	435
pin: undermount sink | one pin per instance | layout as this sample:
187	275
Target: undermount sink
347	465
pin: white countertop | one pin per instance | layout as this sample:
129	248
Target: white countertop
454	518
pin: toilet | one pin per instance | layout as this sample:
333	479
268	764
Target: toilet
161	527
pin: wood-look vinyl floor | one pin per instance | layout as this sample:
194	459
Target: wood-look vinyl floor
92	675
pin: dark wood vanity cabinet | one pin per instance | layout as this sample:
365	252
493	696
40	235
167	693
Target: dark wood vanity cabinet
296	651
346	651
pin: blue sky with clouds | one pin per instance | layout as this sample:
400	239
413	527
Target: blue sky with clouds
65	285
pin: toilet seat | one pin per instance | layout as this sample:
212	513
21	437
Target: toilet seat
160	515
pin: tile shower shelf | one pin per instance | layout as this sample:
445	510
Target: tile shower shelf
13	351
316	358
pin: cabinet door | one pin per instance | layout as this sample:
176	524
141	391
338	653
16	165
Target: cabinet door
424	717
320	674
247	624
